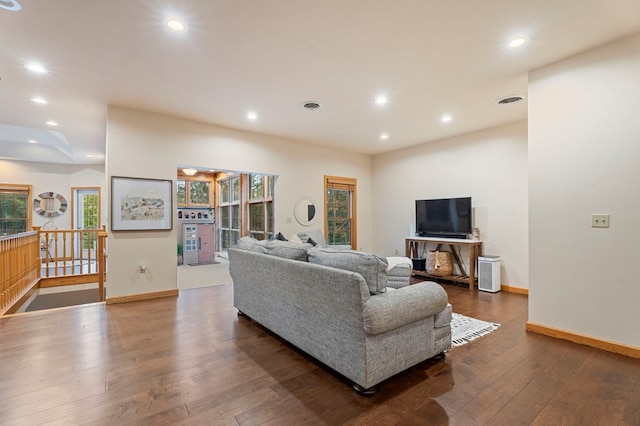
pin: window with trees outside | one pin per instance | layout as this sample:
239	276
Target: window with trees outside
340	211
193	192
15	209
229	211
261	206
85	207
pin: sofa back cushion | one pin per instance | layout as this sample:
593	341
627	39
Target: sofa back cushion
251	244
286	249
373	268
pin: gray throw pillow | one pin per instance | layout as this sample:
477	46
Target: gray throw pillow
316	236
373	268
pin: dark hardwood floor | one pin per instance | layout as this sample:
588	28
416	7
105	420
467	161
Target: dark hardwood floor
192	360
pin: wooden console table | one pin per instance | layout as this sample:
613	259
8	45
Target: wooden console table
412	251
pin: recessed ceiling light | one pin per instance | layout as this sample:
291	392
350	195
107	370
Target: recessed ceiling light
39	100
89	155
381	100
175	25
51	123
446	118
36	67
252	115
384	136
32	141
517	42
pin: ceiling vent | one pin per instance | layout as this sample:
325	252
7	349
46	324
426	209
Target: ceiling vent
311	106
510	100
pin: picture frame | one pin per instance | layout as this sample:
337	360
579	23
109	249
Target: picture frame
140	204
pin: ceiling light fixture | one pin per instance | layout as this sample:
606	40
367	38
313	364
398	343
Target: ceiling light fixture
189	171
175	25
384	136
36	67
89	155
381	100
39	100
517	42
32	141
52	123
446	118
252	115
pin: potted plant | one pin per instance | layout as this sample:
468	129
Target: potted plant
179	254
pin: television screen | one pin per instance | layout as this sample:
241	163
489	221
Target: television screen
445	217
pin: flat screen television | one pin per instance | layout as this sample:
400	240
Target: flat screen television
444	217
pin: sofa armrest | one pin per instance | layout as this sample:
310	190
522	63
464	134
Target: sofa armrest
393	309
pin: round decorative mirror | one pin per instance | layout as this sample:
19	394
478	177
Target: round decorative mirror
49	204
305	211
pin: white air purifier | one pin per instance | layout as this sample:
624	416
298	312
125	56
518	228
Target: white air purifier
489	273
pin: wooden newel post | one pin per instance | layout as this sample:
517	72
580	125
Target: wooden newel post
102	261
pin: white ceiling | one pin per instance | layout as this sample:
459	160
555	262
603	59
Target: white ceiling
429	57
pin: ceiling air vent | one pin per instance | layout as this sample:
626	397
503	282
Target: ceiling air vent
311	106
509	100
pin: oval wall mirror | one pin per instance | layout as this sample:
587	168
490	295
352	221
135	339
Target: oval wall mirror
305	211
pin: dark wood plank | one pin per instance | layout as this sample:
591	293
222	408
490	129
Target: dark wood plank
191	360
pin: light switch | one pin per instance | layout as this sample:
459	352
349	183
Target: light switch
599	220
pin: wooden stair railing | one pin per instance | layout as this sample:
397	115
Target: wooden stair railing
50	258
20	267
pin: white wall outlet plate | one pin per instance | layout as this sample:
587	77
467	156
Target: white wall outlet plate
599	220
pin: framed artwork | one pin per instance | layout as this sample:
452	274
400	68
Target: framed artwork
139	204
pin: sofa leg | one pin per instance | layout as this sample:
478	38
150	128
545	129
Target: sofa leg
439	357
240	313
366	391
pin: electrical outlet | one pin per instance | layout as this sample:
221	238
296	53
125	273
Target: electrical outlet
599	220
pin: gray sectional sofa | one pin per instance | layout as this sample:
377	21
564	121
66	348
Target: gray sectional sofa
335	306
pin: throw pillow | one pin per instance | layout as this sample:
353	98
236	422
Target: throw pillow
373	268
295	239
279	237
315	234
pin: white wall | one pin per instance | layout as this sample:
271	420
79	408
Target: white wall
57	178
584	152
489	165
142	144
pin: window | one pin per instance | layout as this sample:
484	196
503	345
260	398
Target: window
193	192
245	207
85	211
340	211
229	211
15	209
261	206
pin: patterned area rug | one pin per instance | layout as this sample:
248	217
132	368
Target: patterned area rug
465	329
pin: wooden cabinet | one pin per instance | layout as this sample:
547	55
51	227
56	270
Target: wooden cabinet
415	246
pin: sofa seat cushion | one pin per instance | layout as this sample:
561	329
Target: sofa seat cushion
372	268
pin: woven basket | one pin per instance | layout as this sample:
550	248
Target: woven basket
439	263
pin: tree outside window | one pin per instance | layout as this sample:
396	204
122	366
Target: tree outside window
15	209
